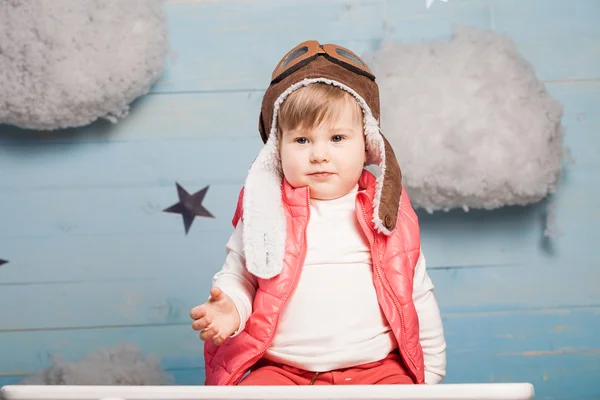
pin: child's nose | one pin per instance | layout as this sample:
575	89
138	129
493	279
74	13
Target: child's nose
319	154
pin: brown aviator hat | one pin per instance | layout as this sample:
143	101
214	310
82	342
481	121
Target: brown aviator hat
264	219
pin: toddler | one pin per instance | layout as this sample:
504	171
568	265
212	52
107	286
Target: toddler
324	281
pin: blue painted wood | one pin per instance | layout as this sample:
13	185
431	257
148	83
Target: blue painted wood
582	121
158	118
557	350
562	43
202	143
144	255
176	345
130	164
110	258
556	50
157	301
110	211
81	219
10	380
136	233
561	376
251	41
411	21
180	376
188	376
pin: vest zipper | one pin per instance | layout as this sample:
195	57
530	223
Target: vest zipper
263	349
388	291
314	378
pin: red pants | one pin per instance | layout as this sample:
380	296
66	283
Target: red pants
389	371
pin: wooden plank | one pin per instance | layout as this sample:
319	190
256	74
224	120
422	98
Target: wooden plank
193	138
241	58
142	301
102	256
545	347
411	21
110	211
179	376
581	102
112	258
157	118
175	346
198	63
556	377
563	42
98	247
524	333
188	376
131	165
139	210
10	380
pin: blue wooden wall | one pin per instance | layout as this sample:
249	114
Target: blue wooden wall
94	260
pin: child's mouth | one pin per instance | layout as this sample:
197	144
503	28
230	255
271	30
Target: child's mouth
321	175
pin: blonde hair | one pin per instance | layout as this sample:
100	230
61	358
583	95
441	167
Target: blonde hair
312	105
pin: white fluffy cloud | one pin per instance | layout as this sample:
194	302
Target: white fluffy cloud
67	63
470	123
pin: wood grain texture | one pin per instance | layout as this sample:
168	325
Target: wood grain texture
555	349
94	260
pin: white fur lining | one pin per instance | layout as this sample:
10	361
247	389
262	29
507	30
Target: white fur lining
264	217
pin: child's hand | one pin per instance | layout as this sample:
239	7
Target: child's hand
217	319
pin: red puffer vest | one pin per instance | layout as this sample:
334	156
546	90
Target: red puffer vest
394	259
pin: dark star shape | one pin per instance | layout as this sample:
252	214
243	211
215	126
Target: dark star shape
189	206
2	262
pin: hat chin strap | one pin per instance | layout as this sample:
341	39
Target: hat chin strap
264	228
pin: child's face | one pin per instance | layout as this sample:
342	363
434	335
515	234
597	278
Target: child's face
329	158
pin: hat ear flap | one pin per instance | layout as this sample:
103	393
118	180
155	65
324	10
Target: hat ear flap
261	128
391	189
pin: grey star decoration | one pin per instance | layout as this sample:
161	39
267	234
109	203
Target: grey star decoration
189	206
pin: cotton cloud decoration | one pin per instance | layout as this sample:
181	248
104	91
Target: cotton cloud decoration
66	63
470	123
123	364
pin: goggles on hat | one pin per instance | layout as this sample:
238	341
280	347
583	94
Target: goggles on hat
307	51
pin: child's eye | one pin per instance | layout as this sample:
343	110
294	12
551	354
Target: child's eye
337	138
301	140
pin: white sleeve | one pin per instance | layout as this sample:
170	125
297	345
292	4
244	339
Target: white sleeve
235	280
431	331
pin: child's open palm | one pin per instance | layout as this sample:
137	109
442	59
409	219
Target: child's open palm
217	319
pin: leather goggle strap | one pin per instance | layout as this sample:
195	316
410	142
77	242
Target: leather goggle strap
307	51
